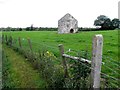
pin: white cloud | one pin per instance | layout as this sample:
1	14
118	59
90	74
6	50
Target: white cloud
23	13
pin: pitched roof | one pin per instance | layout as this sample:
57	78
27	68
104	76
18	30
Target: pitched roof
66	16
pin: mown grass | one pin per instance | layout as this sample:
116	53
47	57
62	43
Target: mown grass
18	73
80	41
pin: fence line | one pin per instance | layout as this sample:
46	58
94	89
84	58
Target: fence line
110	68
19	39
110	76
101	72
69	50
114	63
46	45
32	42
76	58
111	61
96	60
23	39
98	42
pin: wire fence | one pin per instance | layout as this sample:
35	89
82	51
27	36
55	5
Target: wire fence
110	76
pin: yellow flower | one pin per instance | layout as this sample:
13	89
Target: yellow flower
50	55
47	52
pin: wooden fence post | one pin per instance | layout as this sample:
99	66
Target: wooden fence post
19	40
3	38
6	39
29	42
61	48
96	60
10	40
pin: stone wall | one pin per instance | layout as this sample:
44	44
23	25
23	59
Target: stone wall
67	24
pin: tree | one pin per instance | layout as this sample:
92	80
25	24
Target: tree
19	29
115	23
106	22
27	28
31	27
102	21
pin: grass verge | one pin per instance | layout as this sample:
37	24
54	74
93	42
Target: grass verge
18	73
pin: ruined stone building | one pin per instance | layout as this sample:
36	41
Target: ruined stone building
67	24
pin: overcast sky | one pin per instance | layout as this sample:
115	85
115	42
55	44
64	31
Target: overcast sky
46	13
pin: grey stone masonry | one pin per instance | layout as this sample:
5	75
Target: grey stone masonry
67	24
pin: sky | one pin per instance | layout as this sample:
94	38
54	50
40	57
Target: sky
46	13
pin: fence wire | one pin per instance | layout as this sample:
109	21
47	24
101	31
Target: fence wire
42	45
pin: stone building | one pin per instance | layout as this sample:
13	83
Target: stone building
67	24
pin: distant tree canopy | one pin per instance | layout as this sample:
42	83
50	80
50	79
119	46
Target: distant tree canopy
31	28
115	23
106	23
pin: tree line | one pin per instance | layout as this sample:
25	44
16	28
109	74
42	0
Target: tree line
102	23
106	23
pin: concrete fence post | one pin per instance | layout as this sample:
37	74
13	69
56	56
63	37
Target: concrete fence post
97	46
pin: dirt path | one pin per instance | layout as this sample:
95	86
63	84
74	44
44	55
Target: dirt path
21	72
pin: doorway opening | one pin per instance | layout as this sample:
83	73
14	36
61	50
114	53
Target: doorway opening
71	30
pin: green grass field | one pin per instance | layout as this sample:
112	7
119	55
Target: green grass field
79	41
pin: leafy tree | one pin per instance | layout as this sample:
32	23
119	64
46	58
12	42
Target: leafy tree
19	29
106	22
31	28
102	21
27	29
115	23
